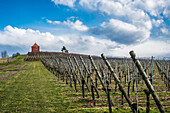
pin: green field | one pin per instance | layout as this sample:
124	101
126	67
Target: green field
35	89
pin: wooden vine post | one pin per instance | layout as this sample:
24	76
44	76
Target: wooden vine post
108	96
74	70
97	73
148	100
89	75
152	71
91	82
82	77
129	88
118	82
99	76
74	78
167	74
147	82
65	73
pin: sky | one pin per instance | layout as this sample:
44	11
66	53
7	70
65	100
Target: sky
112	27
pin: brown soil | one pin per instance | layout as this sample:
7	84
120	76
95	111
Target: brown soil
8	67
12	72
3	66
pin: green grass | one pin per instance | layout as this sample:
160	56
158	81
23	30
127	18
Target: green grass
31	90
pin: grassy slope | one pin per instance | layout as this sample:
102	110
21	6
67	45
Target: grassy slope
32	89
18	60
35	89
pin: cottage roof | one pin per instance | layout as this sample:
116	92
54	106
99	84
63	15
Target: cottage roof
35	45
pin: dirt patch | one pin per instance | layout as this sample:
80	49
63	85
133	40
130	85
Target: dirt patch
60	82
8	67
12	72
3	66
96	106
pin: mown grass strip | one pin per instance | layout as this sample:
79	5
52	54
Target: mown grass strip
31	90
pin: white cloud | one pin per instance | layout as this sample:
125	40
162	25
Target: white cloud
122	32
53	22
167	9
165	30
147	49
134	16
121	8
25	38
77	25
153	7
157	23
136	13
19	37
49	21
69	3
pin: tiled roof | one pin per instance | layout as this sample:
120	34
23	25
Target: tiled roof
35	45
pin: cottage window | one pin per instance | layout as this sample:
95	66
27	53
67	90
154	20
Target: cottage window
36	48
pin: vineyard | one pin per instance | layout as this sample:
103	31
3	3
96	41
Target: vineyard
82	83
100	78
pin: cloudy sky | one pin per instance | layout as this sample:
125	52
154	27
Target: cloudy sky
112	27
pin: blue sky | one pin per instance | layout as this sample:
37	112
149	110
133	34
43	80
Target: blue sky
112	27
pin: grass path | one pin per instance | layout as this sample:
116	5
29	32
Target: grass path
33	89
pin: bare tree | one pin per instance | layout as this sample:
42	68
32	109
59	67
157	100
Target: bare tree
4	54
64	49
